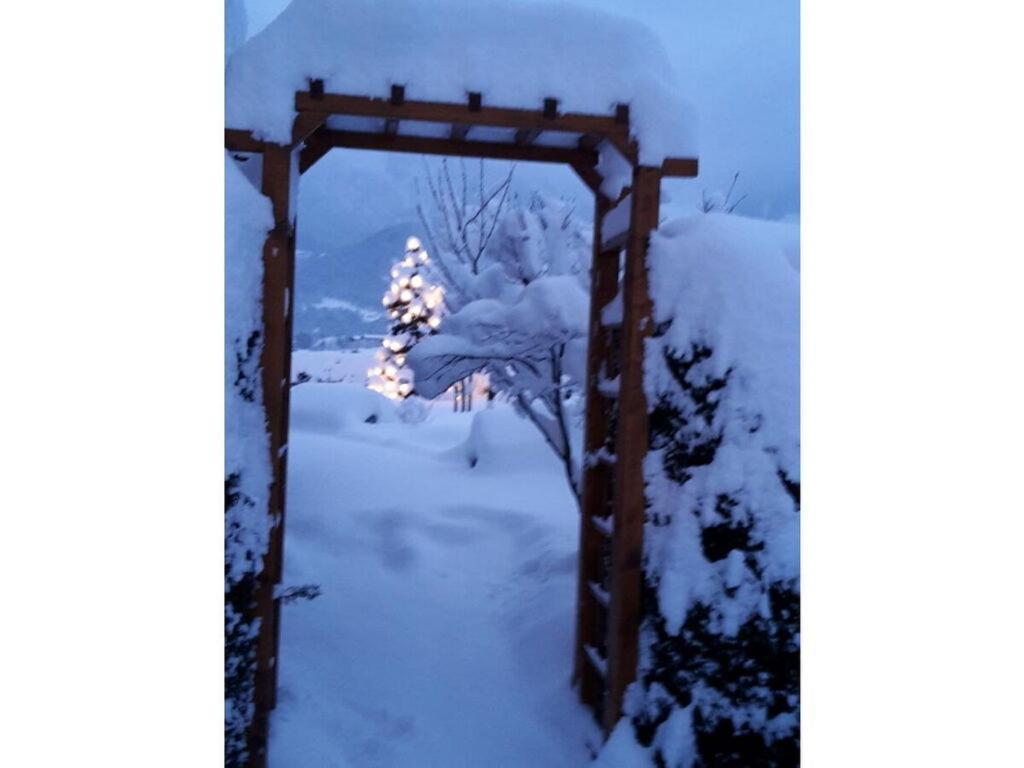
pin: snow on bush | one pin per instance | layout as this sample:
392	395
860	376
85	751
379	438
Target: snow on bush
523	322
247	462
515	53
718	683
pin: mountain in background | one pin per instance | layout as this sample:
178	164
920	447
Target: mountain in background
338	293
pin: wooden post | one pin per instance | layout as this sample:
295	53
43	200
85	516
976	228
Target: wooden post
275	361
604	278
631	446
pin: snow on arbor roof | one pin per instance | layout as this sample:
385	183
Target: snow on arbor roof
515	54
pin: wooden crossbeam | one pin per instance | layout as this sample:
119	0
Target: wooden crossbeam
439	112
525	136
241	141
680	167
314	107
589	176
434	146
314	150
305	124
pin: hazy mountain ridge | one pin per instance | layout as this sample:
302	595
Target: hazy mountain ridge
338	292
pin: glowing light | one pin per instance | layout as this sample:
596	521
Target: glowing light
400	359
405	295
404	282
417	281
434	321
412	244
394	272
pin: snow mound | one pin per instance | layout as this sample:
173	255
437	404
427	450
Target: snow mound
332	408
516	54
501	442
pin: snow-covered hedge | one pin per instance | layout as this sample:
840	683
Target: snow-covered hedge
247	461
718	683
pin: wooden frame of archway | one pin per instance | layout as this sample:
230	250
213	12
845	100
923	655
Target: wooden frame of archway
611	526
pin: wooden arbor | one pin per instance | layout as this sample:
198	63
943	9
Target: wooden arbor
616	441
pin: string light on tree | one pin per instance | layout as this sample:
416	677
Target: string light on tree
414	307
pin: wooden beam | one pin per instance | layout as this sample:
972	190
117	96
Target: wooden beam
604	281
438	112
631	447
241	141
305	124
588	175
275	364
433	146
680	167
526	136
314	150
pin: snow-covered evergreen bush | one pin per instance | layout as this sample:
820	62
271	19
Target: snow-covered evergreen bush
247	460
718	683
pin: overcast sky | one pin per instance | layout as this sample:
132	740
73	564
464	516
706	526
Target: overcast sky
738	62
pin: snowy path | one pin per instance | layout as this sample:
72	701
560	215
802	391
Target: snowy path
443	633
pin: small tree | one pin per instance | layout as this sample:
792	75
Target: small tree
414	307
522	318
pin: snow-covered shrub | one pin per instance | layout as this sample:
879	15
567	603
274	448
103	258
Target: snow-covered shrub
522	318
247	460
718	683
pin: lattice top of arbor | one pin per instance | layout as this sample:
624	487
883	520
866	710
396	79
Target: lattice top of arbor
518	81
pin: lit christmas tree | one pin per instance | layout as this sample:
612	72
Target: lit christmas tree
414	307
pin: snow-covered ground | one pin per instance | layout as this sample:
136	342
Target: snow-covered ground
446	555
